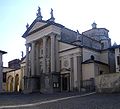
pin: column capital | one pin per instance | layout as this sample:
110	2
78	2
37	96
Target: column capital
44	38
52	35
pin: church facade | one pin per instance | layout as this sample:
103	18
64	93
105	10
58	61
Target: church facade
60	59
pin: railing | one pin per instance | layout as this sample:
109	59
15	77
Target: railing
89	85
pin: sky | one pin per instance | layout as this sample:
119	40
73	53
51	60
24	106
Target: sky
73	14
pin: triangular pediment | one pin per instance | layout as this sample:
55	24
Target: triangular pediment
34	26
37	25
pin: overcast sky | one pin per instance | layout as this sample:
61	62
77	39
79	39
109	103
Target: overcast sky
74	14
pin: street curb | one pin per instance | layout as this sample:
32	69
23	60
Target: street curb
44	102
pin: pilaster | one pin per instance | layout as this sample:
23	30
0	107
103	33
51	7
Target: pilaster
37	59
75	72
57	55
27	60
52	52
33	59
44	54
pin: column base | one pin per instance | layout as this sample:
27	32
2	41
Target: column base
50	83
32	84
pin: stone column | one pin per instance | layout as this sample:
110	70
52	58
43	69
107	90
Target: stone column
37	59
75	72
43	85
52	53
44	55
57	55
79	73
27	60
72	74
33	59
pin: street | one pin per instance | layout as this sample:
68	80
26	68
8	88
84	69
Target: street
61	101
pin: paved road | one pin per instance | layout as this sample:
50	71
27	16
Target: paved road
94	101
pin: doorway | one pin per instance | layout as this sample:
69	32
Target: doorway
65	82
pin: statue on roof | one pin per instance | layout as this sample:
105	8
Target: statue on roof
52	17
27	26
94	25
51	13
39	16
77	35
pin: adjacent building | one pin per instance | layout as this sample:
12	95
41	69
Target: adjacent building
1	69
12	76
116	49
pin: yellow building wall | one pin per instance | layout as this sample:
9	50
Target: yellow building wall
13	81
88	71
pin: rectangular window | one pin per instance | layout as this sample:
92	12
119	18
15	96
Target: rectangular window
118	60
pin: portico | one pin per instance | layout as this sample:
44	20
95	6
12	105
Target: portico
42	60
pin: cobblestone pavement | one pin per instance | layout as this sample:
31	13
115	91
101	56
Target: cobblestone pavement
94	101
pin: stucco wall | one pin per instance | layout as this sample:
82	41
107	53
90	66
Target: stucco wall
92	70
12	75
108	83
101	67
88	71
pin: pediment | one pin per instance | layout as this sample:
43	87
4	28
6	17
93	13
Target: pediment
37	25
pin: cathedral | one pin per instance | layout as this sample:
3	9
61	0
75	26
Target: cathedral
59	59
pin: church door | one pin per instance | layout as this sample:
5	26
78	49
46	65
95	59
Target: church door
65	82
